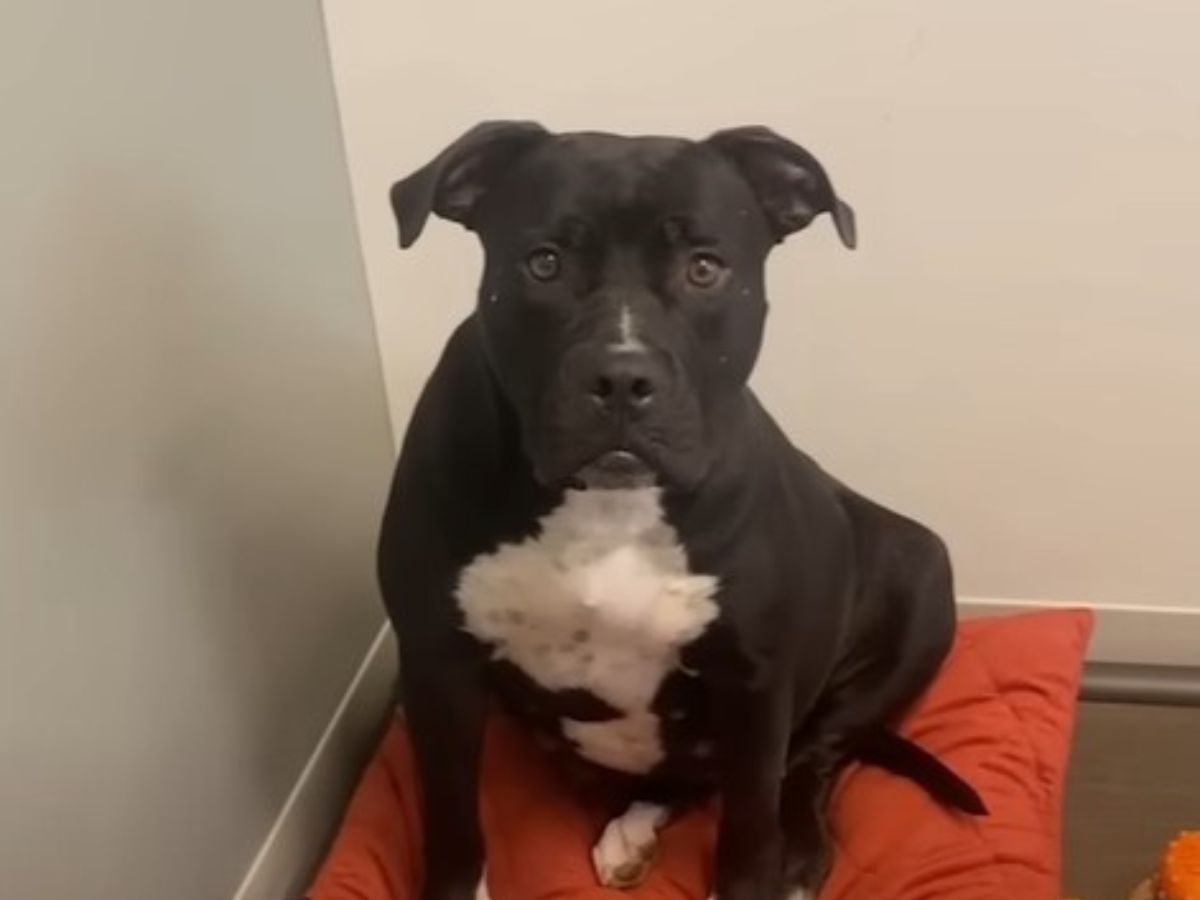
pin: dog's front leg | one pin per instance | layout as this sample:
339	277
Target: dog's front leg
754	727
445	705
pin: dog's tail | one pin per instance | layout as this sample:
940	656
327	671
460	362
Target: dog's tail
888	750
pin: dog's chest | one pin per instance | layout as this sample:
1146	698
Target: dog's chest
601	600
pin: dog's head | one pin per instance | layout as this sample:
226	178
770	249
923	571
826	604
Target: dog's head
622	300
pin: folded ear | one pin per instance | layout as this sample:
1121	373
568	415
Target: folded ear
791	185
453	183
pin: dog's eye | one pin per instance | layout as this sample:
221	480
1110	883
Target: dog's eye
544	264
705	270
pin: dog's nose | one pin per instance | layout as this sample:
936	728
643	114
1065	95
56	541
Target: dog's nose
624	383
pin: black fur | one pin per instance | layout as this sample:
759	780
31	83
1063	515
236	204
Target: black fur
834	613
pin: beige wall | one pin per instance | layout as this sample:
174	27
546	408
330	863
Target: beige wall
1014	353
193	438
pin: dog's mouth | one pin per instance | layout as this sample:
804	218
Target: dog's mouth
615	470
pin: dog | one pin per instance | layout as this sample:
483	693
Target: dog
594	523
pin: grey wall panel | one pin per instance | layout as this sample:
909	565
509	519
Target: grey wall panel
193	438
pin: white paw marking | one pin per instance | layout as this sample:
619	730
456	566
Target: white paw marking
481	891
625	851
601	599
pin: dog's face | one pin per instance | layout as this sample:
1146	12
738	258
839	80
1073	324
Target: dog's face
622	300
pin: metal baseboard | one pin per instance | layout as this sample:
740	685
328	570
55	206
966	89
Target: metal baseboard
1130	683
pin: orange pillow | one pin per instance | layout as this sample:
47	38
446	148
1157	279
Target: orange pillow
1000	713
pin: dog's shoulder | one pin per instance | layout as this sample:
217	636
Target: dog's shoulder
460	478
459	384
459	418
452	437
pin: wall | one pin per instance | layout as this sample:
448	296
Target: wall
1011	355
193	439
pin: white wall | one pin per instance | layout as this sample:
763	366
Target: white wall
194	445
1014	353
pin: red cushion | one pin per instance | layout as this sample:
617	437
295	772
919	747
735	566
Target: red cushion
1000	713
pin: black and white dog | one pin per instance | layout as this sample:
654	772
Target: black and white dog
594	522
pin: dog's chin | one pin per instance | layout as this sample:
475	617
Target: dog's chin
616	470
623	466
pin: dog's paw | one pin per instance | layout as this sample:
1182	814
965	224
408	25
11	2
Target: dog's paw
481	889
623	855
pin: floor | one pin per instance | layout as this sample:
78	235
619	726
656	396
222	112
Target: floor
1134	782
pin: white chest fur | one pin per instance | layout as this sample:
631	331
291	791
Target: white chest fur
602	599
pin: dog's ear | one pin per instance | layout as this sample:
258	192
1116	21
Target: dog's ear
452	184
791	185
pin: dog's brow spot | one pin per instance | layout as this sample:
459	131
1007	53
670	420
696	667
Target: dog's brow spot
746	292
493	297
627	332
722	359
677	715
